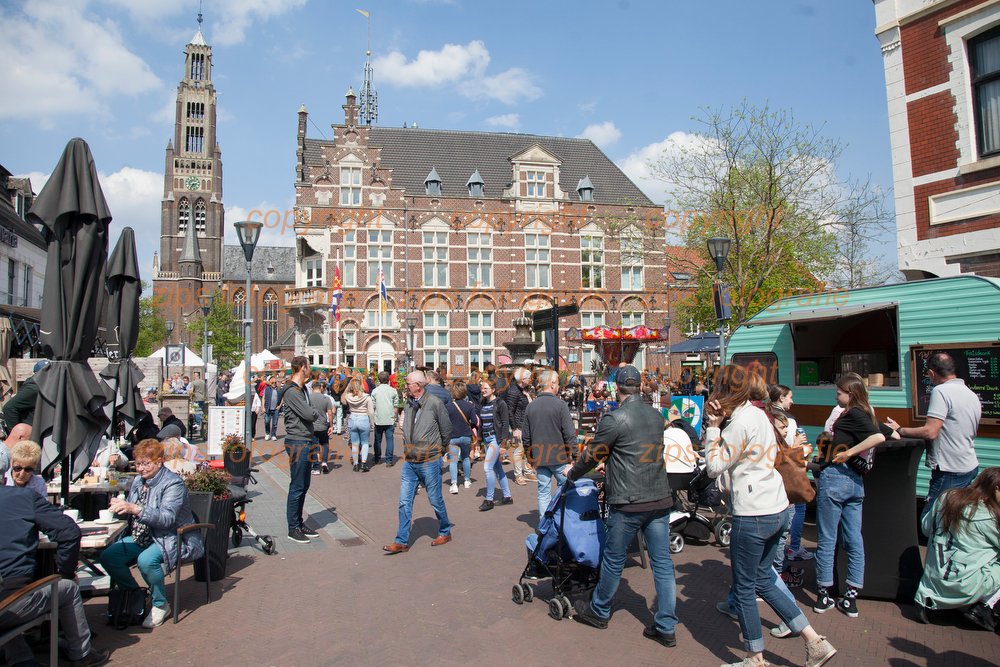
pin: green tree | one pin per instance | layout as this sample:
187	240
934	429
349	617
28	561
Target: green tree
225	332
768	183
152	325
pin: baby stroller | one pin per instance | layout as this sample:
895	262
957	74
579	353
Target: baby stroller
238	465
566	548
689	519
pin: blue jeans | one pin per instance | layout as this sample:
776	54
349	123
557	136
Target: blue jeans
839	494
386	430
941	481
458	448
427	473
753	542
271	423
545	475
776	567
779	554
795	534
338	417
201	415
117	560
300	454
622	527
359	427
494	470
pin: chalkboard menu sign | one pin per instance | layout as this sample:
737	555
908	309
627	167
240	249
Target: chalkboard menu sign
976	363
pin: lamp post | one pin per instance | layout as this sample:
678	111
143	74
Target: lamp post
166	353
666	329
718	250
205	310
248	233
411	324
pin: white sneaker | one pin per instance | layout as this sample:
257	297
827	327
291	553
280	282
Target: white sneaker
454	488
267	437
468	484
156	616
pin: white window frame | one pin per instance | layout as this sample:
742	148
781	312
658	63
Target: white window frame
269	318
537	260
350	185
350	350
479	246
350	246
534	183
437	337
589	319
481	338
380	246
434	242
313	270
390	320
592	261
631	260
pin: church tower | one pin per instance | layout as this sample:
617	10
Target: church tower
192	212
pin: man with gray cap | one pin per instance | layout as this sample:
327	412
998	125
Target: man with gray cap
630	443
22	514
20	408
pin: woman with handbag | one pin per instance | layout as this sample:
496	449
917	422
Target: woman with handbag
743	454
156	506
495	425
840	492
464	423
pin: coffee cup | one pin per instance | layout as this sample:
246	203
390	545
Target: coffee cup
106	515
73	514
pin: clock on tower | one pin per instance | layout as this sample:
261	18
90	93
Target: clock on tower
193	183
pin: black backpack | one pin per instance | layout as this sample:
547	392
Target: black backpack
127	607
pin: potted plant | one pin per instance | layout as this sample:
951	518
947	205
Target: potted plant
211	502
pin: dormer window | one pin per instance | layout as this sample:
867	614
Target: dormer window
535	183
475	184
585	189
432	184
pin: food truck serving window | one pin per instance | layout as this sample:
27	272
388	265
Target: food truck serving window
829	342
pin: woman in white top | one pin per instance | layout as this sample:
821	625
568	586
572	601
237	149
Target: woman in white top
742	449
359	422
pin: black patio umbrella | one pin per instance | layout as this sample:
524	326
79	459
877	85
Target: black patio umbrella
73	217
122	332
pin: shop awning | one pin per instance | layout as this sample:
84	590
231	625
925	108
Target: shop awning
818	314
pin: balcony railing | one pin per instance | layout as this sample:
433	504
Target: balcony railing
306	296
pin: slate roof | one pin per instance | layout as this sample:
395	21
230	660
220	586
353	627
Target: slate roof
411	153
234	266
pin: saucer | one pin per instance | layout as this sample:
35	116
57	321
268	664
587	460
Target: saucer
105	523
80	520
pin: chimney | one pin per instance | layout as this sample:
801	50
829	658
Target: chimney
351	109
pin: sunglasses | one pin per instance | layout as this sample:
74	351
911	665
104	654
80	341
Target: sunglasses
22	468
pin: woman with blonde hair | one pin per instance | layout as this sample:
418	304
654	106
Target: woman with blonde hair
741	447
25	464
359	423
840	492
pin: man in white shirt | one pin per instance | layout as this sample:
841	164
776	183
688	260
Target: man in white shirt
953	416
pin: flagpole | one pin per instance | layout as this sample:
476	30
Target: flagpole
337	318
381	313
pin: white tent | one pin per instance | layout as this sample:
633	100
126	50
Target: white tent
190	358
258	362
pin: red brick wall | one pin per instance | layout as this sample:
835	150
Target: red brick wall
925	53
933	135
921	195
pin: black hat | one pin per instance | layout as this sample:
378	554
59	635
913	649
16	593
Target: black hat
628	376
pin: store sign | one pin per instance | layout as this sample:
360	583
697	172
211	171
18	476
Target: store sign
8	236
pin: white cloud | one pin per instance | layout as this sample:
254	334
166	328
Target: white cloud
432	68
61	62
637	164
507	87
603	134
134	197
277	221
463	65
508	120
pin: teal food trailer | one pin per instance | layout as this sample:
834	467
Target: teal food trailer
885	334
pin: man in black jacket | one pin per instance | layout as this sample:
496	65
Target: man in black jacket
168	418
517	404
20	408
22	514
301	446
630	441
549	437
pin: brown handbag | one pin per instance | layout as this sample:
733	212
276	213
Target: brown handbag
790	463
475	438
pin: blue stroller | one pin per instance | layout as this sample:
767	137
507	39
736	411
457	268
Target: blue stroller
566	548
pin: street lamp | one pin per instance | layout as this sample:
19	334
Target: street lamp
166	353
411	324
666	330
718	250
248	233
205	310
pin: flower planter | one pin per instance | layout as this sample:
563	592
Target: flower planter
218	511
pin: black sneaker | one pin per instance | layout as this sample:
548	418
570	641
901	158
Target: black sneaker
981	615
357	467
97	656
584	614
296	535
308	532
849	606
506	500
668	640
824	603
325	468
486	506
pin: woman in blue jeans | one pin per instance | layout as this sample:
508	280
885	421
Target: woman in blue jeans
463	421
157	505
495	424
359	422
840	492
741	448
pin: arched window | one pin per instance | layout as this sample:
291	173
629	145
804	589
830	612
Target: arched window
239	307
183	214
270	319
200	214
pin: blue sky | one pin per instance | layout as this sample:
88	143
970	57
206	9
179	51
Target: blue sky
628	74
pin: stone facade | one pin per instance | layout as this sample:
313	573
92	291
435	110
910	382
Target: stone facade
946	174
472	229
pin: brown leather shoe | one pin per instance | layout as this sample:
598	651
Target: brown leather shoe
440	539
396	548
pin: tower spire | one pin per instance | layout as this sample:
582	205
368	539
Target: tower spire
200	18
369	98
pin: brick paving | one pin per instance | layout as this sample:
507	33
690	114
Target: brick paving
341	601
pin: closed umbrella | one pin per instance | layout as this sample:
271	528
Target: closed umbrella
73	216
6	338
122	332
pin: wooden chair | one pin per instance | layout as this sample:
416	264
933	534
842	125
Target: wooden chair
52	615
181	532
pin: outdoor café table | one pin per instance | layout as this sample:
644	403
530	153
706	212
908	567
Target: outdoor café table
90	495
96	537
